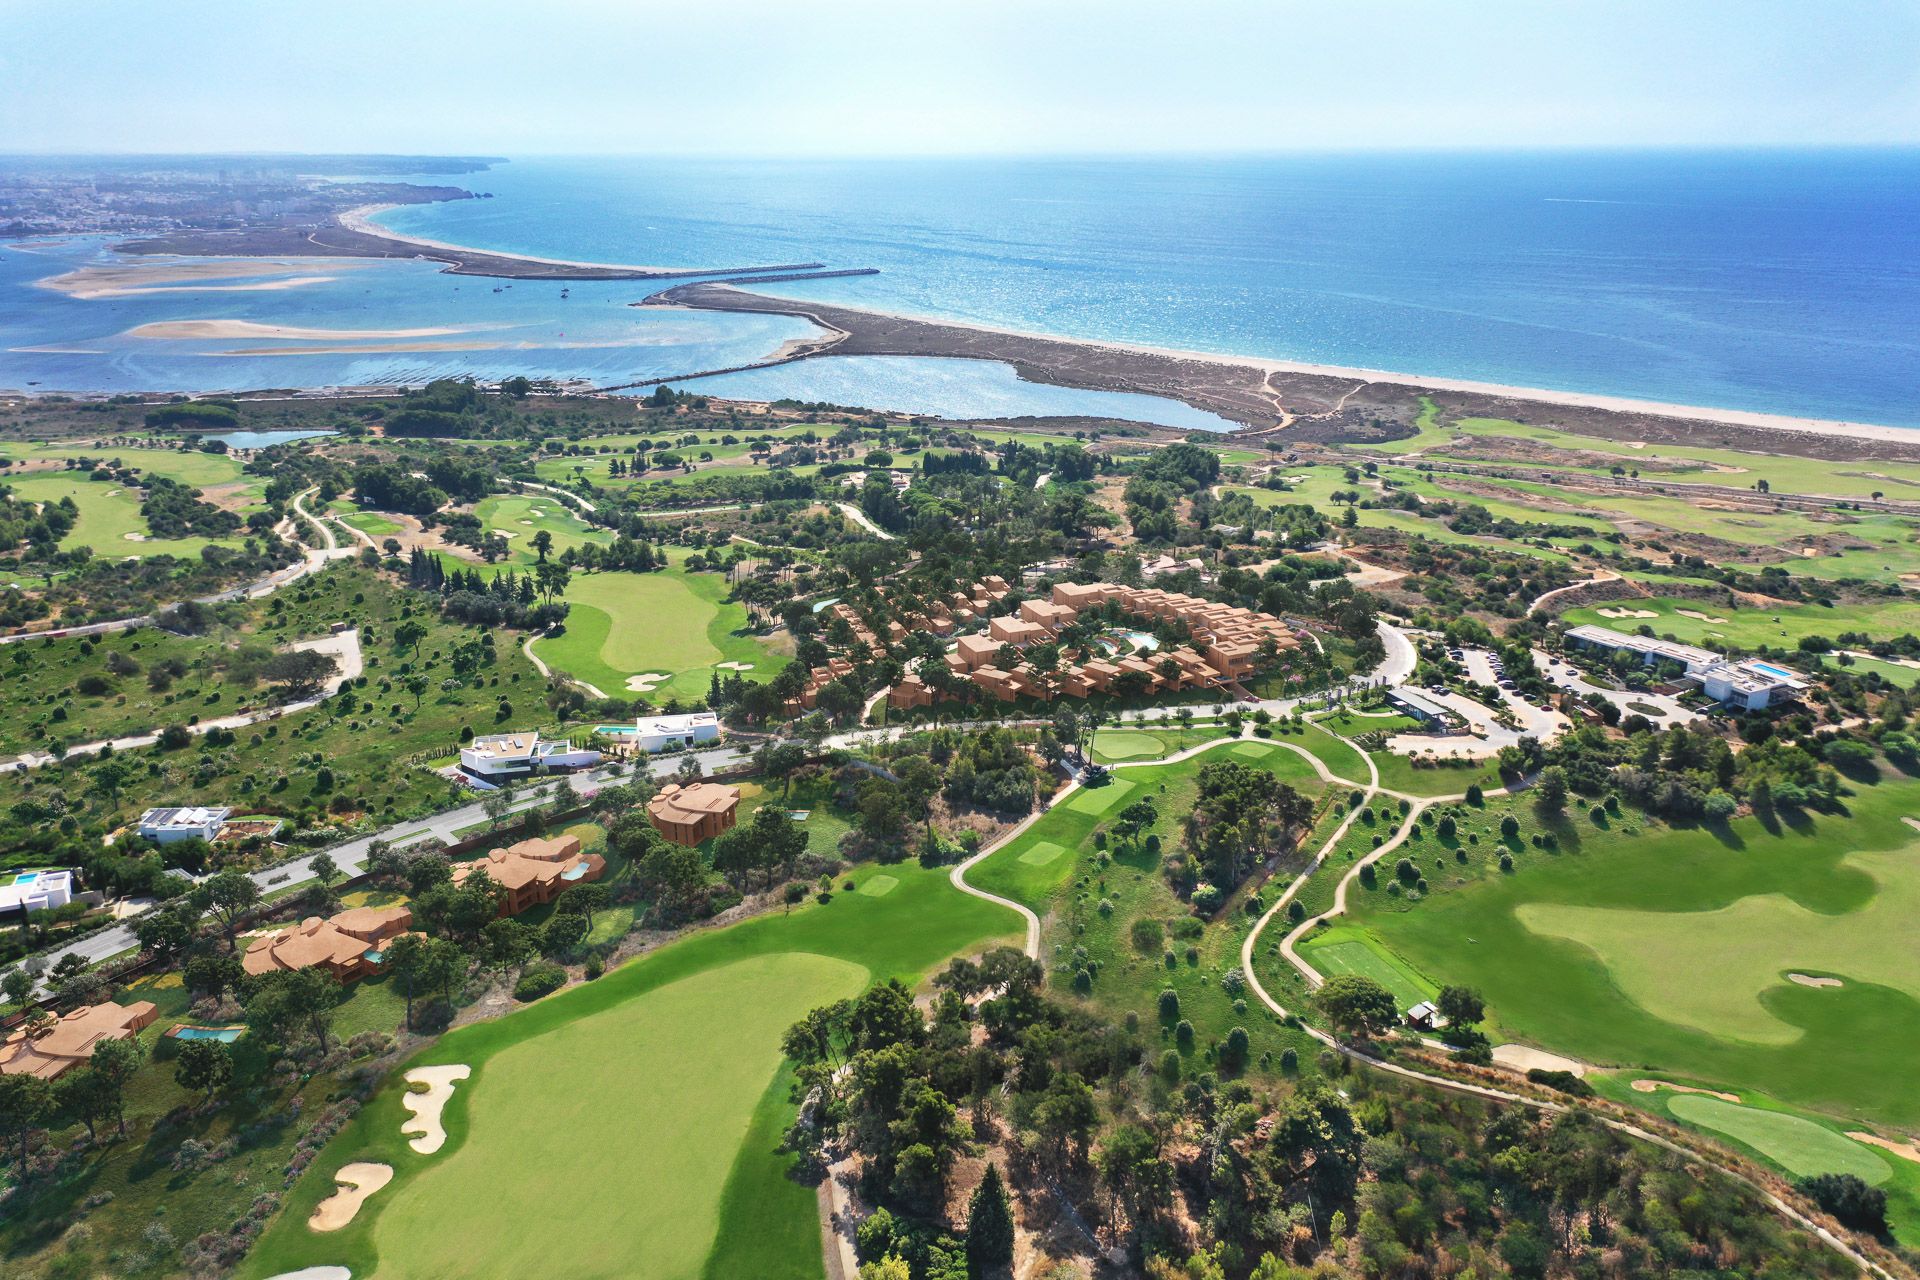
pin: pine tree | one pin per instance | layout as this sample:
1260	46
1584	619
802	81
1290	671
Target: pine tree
989	1226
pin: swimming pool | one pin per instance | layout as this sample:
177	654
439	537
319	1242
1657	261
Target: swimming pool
1136	641
574	872
615	730
1774	671
225	1035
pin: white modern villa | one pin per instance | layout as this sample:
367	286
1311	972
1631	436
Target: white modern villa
165	826
35	890
513	755
659	733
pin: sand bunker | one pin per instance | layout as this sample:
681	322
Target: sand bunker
315	1273
177	329
645	682
1698	616
734	666
1522	1057
1626	613
357	1182
1648	1086
1808	980
134	537
1904	1149
427	1104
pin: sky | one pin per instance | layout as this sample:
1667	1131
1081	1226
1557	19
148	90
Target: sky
916	77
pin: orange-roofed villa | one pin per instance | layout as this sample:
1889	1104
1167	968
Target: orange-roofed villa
534	871
347	945
70	1041
687	814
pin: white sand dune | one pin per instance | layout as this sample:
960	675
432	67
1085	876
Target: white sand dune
178	329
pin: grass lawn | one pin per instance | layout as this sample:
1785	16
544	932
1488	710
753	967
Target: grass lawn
1112	746
670	623
646	1121
1669	948
1781	625
1337	950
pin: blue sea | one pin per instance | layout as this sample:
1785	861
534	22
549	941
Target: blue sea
1778	281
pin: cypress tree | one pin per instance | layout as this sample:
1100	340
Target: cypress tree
989	1226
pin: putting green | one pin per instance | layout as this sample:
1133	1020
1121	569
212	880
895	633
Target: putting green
643	1106
1252	750
1797	1145
626	624
1123	744
1099	799
1659	959
1041	854
879	886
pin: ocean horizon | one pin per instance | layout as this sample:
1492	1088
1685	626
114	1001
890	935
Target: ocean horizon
1779	282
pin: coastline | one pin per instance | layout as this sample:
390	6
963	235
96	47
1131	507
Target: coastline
1318	392
360	221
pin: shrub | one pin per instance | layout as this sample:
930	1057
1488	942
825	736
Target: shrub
537	980
1564	1081
1506	862
1147	935
1169	1004
1183	1034
1848	1199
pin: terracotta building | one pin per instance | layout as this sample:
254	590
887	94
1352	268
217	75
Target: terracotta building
346	945
70	1041
687	814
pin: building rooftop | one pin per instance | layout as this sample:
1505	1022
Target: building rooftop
691	802
195	816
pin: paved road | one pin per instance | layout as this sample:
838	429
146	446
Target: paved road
351	856
859	517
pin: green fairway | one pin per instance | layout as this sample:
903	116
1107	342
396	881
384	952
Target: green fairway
1042	854
669	623
1669	948
1100	799
645	1125
570	1110
1781	625
110	521
518	518
1797	1145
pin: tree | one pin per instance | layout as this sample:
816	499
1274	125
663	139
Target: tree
562	934
1461	1006
443	966
672	874
405	959
1550	791
1850	1200
115	1061
989	1225
86	1096
18	984
1357	1005
324	869
582	900
26	1102
542	543
204	1066
163	933
299	673
279	1005
505	943
228	896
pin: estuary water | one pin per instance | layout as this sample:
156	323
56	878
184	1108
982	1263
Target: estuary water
1775	281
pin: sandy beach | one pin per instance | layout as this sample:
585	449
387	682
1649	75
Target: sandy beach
361	220
840	324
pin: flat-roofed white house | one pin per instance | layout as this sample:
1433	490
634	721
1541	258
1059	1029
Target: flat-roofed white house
512	755
165	826
35	890
1750	685
660	733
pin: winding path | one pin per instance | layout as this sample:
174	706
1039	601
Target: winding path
859	517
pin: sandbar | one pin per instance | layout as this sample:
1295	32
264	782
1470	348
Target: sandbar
189	276
254	329
361	220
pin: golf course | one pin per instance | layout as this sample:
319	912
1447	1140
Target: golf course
1757	954
621	1128
673	625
